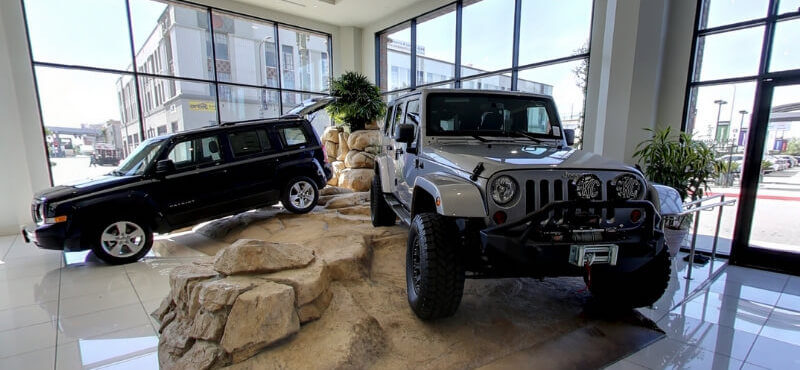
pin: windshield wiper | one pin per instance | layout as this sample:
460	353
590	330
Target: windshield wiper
117	173
528	135
480	138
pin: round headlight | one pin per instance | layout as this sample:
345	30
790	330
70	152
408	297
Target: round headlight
503	189
628	187
588	187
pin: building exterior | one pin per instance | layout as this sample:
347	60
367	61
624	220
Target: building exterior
246	55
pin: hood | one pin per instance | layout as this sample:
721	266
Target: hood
83	187
515	156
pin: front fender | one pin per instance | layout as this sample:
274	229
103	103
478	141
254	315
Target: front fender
455	196
381	162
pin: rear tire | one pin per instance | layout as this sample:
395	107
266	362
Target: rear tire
380	211
300	195
434	269
122	240
639	288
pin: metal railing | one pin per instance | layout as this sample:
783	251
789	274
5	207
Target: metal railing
694	207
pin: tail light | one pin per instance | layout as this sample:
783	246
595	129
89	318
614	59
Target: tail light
325	154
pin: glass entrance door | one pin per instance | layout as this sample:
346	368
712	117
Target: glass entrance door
772	198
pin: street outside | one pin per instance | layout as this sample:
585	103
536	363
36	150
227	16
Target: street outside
69	169
777	219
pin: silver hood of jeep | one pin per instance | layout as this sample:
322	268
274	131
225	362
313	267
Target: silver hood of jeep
498	156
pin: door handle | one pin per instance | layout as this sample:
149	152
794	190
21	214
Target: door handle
389	147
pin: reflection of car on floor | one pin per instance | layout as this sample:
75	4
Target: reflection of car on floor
178	180
491	189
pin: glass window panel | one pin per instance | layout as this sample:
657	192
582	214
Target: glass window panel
491	82
305	63
244	143
729	54
785	46
487	42
714	114
176	105
81	32
722	12
293	136
788	6
566	83
250	54
173	40
436	46
395	58
195	152
247	103
81	109
554	29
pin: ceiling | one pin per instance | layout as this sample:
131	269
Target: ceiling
357	13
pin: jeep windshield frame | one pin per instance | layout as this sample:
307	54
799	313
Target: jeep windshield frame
491	115
140	159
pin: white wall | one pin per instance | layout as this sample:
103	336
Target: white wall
22	153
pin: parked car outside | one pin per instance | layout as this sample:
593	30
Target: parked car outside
790	161
490	187
181	179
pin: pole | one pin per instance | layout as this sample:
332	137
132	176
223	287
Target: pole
694	240
716	231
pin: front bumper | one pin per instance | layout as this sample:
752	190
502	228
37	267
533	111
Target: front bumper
52	236
522	244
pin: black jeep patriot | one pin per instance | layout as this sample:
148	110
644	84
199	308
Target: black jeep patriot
181	179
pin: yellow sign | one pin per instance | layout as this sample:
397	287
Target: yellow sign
202	106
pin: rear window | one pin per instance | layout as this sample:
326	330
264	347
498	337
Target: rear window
244	143
293	135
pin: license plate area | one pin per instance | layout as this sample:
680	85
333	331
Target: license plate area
594	254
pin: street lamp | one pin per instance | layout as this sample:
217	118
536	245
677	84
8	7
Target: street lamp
720	103
741	123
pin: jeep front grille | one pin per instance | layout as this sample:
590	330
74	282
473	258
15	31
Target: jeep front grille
539	193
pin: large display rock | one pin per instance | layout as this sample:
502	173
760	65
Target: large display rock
363	138
358	179
331	134
259	318
254	256
343	147
358	159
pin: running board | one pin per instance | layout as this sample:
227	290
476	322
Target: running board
398	208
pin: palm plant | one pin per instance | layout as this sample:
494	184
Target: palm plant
677	161
358	101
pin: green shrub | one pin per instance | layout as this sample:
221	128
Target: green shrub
358	101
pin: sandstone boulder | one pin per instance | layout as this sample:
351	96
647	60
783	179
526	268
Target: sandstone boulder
308	283
314	309
208	325
331	133
331	150
348	260
175	338
374	150
363	138
358	159
343	147
258	256
334	190
358	179
183	278
347	200
259	317
203	355
217	294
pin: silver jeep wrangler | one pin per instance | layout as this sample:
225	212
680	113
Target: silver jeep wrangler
490	187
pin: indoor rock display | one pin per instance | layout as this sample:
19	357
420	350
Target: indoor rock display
352	156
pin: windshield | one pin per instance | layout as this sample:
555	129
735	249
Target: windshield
490	115
137	162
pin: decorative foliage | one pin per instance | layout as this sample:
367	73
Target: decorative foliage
679	162
358	101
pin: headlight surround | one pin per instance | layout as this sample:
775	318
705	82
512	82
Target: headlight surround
503	189
628	187
588	187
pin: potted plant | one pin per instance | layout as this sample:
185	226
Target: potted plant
679	162
358	101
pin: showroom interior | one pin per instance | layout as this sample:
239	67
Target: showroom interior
86	84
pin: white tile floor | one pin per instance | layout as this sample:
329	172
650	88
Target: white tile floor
65	313
77	315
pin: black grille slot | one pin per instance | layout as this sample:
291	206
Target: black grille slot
544	193
558	190
530	196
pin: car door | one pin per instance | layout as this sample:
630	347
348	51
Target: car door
198	187
405	166
252	168
396	149
387	148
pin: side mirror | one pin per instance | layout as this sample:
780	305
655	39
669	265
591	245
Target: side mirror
165	166
569	135
404	133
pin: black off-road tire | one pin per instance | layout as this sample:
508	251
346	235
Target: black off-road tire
309	199
639	288
97	245
434	269
380	211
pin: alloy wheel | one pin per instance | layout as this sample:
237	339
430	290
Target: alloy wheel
301	194
123	239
